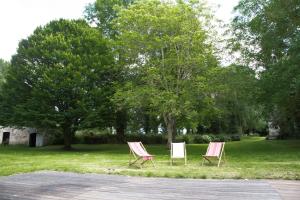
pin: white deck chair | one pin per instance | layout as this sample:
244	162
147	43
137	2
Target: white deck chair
178	150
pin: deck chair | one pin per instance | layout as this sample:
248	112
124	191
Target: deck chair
178	150
138	151
214	151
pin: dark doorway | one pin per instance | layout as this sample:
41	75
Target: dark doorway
5	138
32	140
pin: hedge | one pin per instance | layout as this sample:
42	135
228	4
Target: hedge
154	139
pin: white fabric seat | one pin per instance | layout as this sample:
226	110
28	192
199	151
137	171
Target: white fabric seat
178	150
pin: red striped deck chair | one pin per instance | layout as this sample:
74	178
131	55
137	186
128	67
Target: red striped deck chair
214	151
138	151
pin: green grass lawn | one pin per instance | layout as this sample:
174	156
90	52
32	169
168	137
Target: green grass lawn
251	158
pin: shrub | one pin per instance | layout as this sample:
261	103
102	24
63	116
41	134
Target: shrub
235	137
188	139
254	134
200	139
107	138
206	138
146	139
223	138
100	139
213	138
57	141
114	139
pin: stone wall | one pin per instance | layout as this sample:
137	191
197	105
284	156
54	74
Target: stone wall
274	131
21	136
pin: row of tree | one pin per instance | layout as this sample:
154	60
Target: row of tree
268	35
146	66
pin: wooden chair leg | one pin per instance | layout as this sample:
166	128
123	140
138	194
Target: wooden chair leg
131	163
152	163
219	162
141	165
145	162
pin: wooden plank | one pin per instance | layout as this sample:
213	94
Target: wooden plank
63	186
288	190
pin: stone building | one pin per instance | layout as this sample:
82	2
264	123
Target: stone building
274	131
25	136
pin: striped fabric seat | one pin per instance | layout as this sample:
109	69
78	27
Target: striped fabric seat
214	150
138	151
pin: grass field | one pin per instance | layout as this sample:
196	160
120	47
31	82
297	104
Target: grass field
251	158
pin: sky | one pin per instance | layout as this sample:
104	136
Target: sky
19	18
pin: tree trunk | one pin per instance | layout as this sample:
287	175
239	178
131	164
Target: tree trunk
121	124
170	122
188	130
68	135
146	123
297	114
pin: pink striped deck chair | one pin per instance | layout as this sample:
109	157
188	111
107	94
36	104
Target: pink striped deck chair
138	151
215	150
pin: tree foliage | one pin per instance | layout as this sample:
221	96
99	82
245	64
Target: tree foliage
102	13
60	79
167	56
151	65
268	34
3	70
238	111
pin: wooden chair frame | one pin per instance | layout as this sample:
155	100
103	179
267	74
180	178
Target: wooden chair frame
210	158
137	157
172	158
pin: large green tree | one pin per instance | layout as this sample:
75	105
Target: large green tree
60	79
4	65
268	35
102	13
237	110
168	57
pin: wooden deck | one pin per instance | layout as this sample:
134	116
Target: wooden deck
60	185
289	190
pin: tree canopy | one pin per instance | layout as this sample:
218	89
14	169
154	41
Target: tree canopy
4	65
268	35
150	66
168	56
103	12
60	79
